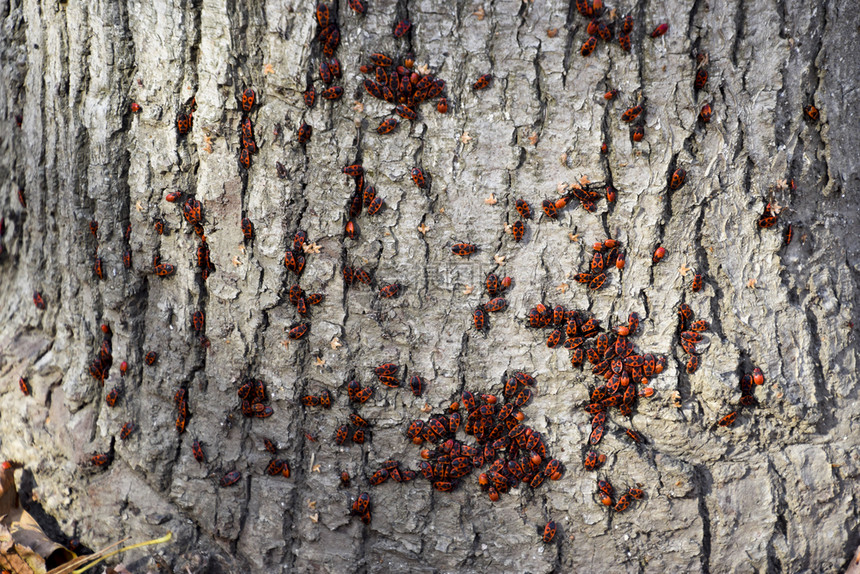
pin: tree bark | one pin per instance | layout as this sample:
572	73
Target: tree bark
775	492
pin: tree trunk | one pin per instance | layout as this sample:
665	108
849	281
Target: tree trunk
775	492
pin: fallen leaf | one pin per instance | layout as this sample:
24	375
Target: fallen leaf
312	504
315	517
138	206
465	138
242	248
683	269
467	290
776	207
312	247
268	69
335	344
751	283
508	229
286	343
533	138
316	468
562	288
563	159
491	200
500	259
358	106
236	261
320	361
423	69
423	229
584	180
561	187
573	237
479	13
426	408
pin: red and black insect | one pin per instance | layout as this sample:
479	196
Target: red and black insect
624	42
378	59
463	249
676	182
304	134
811	113
442	106
112	397
479	319
247	229
94	228
183	123
358	7
150	358
698	281
98	270
660	30
230	478
524	209
631	114
24	386
323	15
549	532
101	459
126	431
637	132
692	364
248	99
135	107
705	114
332	93
728	420
387	126
299	331
38	301
588	46
767	219
310	96
549	208
418	177
701	79
198	321
402	28
518	230
633	435
594	461
483	82
197	451
389	291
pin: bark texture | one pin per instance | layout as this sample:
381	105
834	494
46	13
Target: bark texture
776	493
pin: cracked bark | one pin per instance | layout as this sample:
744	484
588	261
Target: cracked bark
781	485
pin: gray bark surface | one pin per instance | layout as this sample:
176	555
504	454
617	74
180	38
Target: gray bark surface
775	493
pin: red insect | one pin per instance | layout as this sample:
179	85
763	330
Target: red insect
358	436
310	96
659	254
418	177
304	134
245	158
479	319
183	123
247	228
767	219
631	114
38	301
787	235
585	8
811	112
549	208
102	459
442	106
549	532
518	230
325	73
135	107
603	31
660	30
126	431
728	420
123	368
358	7
701	79
97	268
692	364
197	451
597	281
230	478
150	358
463	249
164	269
624	42
323	15
416	384
332	93
402	28
495	305
111	397
554	339
676	182
758	376
299	331
94	228
248	99
637	132
634	436
524	209
378	59
24	386
483	82
594	461
610	94
387	126
705	114
596	434
588	46
354	170
389	291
